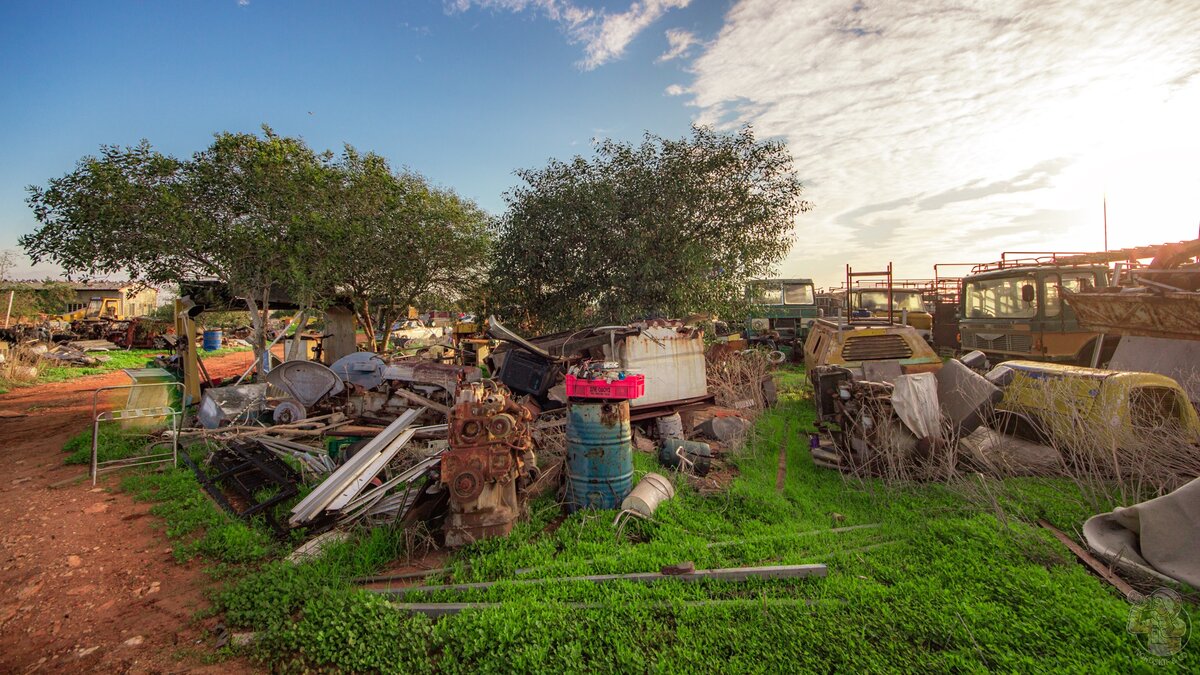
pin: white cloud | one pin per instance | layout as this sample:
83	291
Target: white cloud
936	130
675	90
243	3
679	41
604	36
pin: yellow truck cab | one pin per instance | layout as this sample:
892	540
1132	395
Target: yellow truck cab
107	308
866	344
1097	408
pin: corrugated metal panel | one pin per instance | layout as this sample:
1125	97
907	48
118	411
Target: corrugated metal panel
672	361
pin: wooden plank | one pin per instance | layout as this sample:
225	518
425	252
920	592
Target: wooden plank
417	398
1096	566
727	574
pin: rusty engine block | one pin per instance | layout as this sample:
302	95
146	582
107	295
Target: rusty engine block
489	461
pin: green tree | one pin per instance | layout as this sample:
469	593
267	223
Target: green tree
262	213
30	301
395	239
230	212
666	228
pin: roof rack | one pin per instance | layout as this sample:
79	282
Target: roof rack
851	275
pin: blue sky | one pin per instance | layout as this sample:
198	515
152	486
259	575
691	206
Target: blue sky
926	131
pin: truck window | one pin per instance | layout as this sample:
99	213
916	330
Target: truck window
764	294
901	300
1072	281
1000	298
798	294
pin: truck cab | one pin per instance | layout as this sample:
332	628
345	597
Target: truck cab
781	310
908	306
1011	310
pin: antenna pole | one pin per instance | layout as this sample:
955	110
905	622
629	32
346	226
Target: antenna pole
1106	222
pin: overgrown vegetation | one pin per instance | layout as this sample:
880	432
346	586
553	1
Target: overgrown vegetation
941	584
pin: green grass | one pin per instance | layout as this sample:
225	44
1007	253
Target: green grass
941	585
118	360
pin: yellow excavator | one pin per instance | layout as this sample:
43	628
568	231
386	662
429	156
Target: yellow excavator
97	308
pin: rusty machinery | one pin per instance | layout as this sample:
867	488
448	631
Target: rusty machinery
489	461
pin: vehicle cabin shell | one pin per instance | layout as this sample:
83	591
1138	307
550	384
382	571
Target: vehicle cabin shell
906	302
1117	408
786	307
1017	312
850	346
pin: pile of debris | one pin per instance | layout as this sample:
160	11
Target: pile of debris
400	440
1021	417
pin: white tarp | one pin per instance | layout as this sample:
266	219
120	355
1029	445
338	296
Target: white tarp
915	400
1160	536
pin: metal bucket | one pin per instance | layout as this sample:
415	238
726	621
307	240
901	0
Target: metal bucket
599	455
649	493
211	341
669	426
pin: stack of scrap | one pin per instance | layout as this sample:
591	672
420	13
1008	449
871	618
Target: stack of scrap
247	470
70	353
345	494
93	346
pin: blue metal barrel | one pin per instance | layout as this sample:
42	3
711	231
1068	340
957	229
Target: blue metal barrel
211	341
599	455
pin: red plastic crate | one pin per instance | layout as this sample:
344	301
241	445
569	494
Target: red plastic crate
633	386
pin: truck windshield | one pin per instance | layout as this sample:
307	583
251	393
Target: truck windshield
798	294
766	294
901	300
1000	298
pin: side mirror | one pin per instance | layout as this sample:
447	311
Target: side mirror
1028	293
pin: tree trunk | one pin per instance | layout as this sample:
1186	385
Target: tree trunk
258	322
295	348
363	315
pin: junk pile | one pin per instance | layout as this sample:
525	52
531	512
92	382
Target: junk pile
375	439
1021	417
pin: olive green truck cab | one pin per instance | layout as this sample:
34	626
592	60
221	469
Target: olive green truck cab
1011	310
781	310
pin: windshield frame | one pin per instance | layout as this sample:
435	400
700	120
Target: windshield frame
902	299
810	292
1001	305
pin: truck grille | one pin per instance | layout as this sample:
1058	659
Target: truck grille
1014	342
875	348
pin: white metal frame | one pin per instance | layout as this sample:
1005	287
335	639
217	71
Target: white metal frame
99	467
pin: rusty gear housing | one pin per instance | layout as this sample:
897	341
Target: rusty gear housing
490	459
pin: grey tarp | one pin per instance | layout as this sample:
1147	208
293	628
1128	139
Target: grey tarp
1160	536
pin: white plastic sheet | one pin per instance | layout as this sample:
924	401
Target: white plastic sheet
915	400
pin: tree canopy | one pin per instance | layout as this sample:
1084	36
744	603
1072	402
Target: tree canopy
260	213
665	228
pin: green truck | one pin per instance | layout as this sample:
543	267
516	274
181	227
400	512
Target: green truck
1013	310
781	310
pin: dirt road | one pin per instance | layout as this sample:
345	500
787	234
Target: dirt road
88	577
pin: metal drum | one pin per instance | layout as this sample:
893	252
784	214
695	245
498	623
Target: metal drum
211	340
599	455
